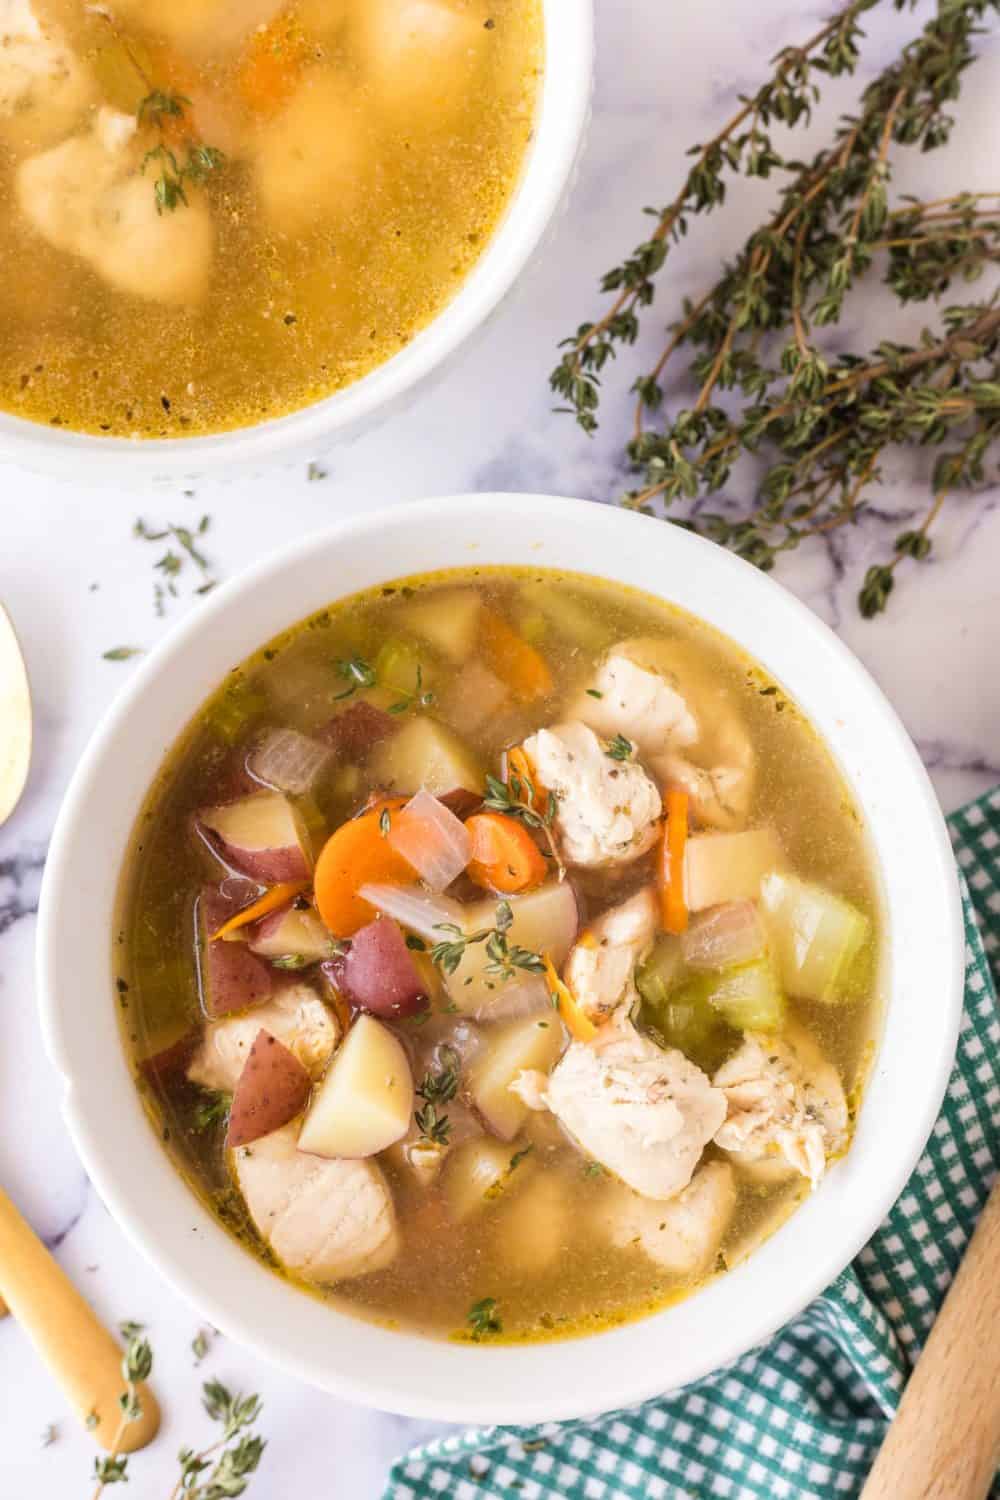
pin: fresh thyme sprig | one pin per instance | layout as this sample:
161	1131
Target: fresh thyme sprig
437	1089
504	957
483	1318
137	1363
518	797
359	673
818	422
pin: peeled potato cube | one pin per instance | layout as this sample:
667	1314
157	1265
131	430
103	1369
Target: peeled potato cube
534	1227
365	1100
425	754
532	1043
477	1173
447	620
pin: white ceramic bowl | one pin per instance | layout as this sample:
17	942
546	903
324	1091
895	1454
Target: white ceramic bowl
545	180
399	1371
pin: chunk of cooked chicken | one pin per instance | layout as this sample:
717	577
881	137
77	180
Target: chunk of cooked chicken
644	1113
607	809
682	1236
600	969
687	725
638	703
296	1016
89	197
785	1103
418	53
310	156
44	87
327	1220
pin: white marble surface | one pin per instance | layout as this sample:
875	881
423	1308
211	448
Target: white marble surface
77	583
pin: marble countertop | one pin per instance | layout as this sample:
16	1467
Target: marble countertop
76	583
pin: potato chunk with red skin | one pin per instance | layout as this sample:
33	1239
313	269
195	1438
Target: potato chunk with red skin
232	978
258	835
272	1089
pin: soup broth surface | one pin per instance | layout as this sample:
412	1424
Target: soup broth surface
533	1252
216	212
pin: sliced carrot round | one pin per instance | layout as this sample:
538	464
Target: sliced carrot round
505	857
357	854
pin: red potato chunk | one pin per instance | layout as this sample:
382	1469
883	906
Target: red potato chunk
354	732
272	1089
231	977
259	836
378	972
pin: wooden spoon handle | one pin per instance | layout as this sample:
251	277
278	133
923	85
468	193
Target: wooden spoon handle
78	1349
945	1441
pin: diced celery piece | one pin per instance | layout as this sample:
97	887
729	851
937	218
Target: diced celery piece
657	972
399	666
235	710
748	997
816	937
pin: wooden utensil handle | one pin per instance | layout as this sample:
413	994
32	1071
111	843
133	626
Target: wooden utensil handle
945	1441
76	1346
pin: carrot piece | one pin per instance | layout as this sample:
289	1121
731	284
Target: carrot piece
510	657
271	66
354	854
671	872
519	764
505	857
285	890
587	939
577	1023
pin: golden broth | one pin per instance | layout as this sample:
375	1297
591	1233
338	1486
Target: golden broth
362	174
445	1267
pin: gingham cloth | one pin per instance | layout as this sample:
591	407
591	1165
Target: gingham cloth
802	1417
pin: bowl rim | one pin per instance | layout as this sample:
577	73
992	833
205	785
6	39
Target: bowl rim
634	1357
546	174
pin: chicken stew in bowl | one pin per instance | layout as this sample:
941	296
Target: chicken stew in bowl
499	954
215	212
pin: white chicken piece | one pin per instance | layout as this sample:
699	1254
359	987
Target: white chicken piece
606	809
644	1113
785	1104
689	729
421	55
311	156
202	26
44	87
327	1220
89	197
637	702
682	1236
600	969
296	1016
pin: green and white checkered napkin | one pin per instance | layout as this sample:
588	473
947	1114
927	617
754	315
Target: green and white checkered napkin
803	1416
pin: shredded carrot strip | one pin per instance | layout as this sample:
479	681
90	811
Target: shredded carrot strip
287	890
674	904
586	939
519	765
578	1024
510	657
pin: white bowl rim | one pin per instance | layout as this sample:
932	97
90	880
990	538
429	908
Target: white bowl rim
545	177
631	1363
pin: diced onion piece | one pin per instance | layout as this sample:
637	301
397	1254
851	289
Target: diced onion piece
724	936
414	909
288	761
431	839
721	867
816	936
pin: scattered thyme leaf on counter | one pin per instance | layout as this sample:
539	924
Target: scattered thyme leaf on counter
201	1344
814	418
122	653
183	554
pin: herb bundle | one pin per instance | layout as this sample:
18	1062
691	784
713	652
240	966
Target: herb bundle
819	423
